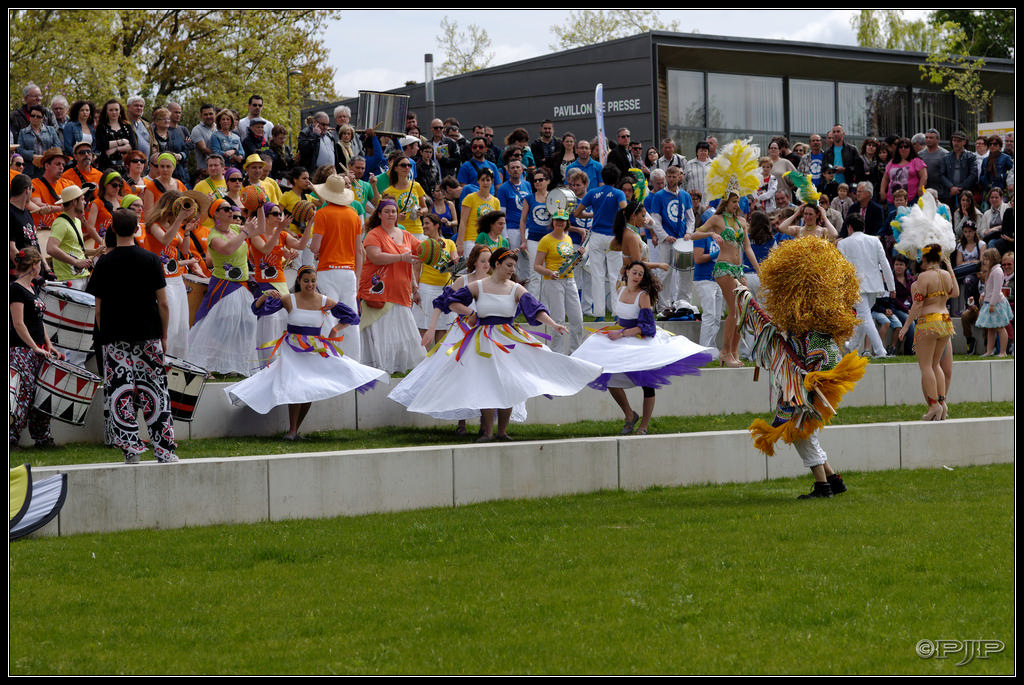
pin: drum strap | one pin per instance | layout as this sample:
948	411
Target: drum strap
74	229
79	174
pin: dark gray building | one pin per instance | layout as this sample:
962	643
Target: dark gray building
687	86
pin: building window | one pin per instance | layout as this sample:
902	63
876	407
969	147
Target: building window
812	107
866	109
745	104
933	109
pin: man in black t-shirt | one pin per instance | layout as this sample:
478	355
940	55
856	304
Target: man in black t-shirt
131	323
21	226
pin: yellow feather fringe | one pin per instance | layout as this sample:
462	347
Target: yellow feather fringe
734	170
827	388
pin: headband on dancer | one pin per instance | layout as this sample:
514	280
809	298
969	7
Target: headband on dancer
501	253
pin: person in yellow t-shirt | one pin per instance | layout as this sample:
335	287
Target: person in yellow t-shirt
408	195
474	206
559	290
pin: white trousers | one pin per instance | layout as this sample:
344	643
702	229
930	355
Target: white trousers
712	306
563	303
340	285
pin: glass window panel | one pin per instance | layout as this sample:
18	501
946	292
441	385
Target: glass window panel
866	109
746	103
685	98
811	106
1002	108
932	109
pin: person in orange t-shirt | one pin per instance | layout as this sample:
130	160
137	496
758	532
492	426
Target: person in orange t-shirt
336	243
389	337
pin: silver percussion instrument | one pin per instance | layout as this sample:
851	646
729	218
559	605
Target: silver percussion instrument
682	255
383	112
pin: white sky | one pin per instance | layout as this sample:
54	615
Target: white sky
371	60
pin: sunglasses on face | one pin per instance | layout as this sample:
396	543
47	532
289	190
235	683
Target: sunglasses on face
224	209
405	166
276	214
235	179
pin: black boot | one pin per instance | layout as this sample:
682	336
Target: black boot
835	481
820	490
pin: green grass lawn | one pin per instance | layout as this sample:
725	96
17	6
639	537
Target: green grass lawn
712	579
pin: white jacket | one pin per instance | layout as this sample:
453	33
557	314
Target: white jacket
867	255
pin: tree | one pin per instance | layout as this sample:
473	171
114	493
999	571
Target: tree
987	33
588	27
216	56
889	30
956	73
463	51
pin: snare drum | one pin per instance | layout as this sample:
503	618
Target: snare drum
184	386
195	287
65	391
70	317
682	255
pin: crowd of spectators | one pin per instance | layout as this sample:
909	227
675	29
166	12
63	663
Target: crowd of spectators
456	177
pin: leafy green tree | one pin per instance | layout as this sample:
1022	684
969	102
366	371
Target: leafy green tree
464	51
216	56
986	33
587	27
890	30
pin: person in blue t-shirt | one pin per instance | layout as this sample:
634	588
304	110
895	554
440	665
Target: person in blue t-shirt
588	164
811	163
512	196
602	204
471	168
671	209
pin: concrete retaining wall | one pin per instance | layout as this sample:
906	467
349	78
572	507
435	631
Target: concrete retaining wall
715	391
200	492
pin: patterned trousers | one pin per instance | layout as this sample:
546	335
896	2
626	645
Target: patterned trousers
135	379
27	363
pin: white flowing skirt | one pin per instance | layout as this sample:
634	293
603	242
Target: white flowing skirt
177	318
652	362
490	367
299	377
224	341
392	342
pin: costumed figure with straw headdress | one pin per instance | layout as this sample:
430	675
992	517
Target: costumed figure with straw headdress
732	176
926	234
809	290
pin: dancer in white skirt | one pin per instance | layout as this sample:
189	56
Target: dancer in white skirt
480	262
637	352
223	338
492	364
388	335
306	366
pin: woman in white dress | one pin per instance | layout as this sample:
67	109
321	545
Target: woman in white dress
492	364
306	366
637	352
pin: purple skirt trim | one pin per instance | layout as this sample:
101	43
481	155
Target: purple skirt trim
656	378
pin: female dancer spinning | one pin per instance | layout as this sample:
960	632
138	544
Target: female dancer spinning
636	351
495	365
306	366
932	289
728	229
